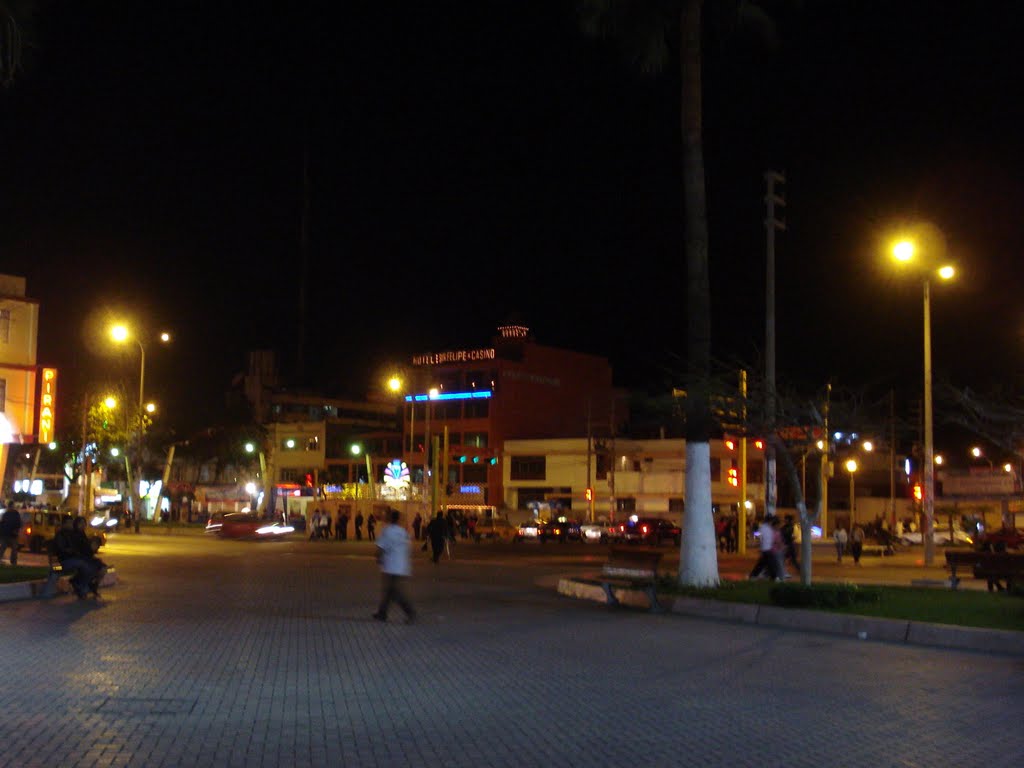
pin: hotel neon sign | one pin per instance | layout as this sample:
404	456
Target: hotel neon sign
47	406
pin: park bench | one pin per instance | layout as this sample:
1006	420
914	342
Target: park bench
633	569
58	572
992	566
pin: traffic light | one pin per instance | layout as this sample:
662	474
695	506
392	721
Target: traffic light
494	460
589	494
730	444
918	492
734	477
759	444
462	459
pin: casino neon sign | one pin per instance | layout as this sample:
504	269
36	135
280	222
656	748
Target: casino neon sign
47	406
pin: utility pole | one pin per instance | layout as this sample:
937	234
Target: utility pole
590	494
892	457
741	515
611	468
826	465
771	198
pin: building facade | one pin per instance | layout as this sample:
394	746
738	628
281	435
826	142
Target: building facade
626	477
19	375
478	399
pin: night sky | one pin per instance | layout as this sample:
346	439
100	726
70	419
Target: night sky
472	162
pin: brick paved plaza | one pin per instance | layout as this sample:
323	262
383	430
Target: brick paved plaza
214	653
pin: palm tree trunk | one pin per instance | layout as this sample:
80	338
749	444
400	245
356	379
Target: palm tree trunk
698	562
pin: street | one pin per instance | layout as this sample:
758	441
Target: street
223	653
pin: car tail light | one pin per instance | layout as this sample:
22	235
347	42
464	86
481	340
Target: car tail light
28	531
645	529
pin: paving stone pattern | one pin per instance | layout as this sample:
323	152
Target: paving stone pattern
267	656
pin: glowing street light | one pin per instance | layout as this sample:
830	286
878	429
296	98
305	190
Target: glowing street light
110	402
1007	467
905	251
939	459
868	446
851	467
249	447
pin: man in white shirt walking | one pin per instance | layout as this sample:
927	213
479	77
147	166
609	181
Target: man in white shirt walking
395	567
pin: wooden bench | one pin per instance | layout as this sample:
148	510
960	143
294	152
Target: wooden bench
992	566
633	569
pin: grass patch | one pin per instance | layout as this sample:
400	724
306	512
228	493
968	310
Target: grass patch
966	608
16	573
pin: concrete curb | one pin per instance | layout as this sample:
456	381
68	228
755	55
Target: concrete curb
996	641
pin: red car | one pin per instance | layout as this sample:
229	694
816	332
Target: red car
243	525
1002	539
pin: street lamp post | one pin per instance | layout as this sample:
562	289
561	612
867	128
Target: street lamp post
851	467
905	251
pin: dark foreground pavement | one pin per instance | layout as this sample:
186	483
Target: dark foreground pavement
265	655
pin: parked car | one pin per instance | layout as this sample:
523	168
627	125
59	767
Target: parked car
494	529
649	530
38	527
940	536
561	528
598	532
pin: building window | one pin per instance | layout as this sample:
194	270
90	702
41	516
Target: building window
289	475
313	443
474	440
474	473
5	326
476	409
716	470
678	506
627	504
528	468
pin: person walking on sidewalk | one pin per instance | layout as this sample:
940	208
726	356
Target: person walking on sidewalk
371	527
395	568
856	543
789	542
359	526
417	523
840	538
10	525
767	562
437	532
342	530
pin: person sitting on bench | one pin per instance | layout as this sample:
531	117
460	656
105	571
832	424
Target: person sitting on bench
67	547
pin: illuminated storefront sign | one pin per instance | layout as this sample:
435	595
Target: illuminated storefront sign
396	474
457	356
481	394
47	406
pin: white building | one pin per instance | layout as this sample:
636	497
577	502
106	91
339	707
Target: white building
642	476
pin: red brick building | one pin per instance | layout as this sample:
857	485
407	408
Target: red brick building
514	389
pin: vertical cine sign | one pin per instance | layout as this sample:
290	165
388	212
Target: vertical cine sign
47	406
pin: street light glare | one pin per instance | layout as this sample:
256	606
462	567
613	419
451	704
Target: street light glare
946	272
119	333
903	250
356	450
1007	467
165	337
249	447
976	452
851	466
395	384
869	446
110	402
150	407
939	459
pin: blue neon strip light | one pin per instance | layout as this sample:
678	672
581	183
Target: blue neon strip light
476	395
